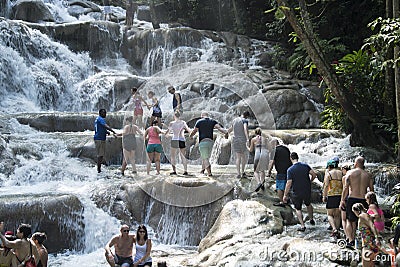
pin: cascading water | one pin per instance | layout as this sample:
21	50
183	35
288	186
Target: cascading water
38	74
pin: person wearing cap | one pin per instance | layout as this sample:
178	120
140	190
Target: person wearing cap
123	246
24	249
5	252
332	193
299	177
176	99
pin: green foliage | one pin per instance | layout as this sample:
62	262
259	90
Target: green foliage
279	56
379	44
364	81
396	210
301	65
333	117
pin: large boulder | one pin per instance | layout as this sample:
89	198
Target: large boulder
77	8
59	216
181	210
68	122
31	11
99	38
231	239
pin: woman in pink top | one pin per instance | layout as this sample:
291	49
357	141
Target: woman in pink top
138	109
154	148
375	212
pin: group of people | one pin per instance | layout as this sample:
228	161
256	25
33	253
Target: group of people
20	250
123	244
350	202
133	125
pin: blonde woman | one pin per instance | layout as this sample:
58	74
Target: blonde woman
332	193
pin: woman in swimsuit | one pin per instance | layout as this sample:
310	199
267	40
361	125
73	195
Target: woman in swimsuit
156	114
369	235
143	248
129	144
138	109
331	194
154	147
38	239
261	157
375	212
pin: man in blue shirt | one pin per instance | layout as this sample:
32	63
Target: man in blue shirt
205	126
100	134
298	178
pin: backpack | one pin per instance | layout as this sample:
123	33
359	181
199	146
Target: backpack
31	261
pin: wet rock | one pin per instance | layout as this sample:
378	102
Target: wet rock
31	11
239	220
292	109
143	13
78	8
60	215
99	38
68	122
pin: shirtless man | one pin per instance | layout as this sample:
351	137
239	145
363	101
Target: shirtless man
22	246
123	245
357	183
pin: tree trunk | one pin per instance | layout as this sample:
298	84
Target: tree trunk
362	134
153	15
397	79
238	19
389	95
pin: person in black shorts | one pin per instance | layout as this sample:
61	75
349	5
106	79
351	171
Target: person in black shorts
178	145
300	181
357	183
156	113
281	161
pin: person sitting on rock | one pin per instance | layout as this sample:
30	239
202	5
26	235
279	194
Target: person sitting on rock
24	249
6	253
38	238
123	246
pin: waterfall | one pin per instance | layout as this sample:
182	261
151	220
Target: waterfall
181	226
5	8
385	181
44	167
37	73
306	92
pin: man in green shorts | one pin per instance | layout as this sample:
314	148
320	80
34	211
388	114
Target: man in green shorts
205	126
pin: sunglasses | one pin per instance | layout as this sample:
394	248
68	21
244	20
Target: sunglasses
142	232
125	231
